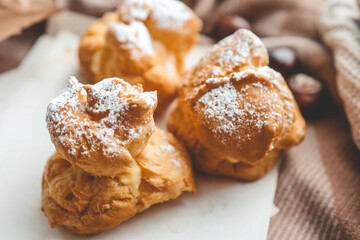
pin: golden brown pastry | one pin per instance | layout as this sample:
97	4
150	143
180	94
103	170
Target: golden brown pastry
234	113
111	160
145	42
101	128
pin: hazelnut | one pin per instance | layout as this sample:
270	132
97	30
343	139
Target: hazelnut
229	24
283	60
308	91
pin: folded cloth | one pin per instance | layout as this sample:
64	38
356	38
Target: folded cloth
339	27
27	6
16	15
318	187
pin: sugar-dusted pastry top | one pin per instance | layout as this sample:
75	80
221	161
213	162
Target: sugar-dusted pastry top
89	204
236	107
144	41
103	126
170	22
166	15
240	50
133	36
244	108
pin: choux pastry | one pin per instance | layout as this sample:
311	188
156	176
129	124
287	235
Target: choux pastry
111	161
235	114
144	41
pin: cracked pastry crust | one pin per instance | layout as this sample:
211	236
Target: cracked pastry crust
101	128
111	160
234	113
144	41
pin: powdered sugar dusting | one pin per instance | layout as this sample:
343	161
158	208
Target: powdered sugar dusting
265	71
83	116
228	111
221	104
176	163
168	14
134	10
134	35
237	50
167	147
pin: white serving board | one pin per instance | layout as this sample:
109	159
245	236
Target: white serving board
222	208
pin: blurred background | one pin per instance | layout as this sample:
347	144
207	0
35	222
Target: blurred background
289	26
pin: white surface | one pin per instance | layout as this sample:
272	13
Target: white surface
66	20
222	208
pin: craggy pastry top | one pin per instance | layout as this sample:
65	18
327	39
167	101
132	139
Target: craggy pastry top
169	21
237	104
101	128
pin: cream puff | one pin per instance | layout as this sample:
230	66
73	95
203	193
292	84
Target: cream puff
235	114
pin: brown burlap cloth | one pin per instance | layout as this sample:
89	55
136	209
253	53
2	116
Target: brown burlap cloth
318	191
